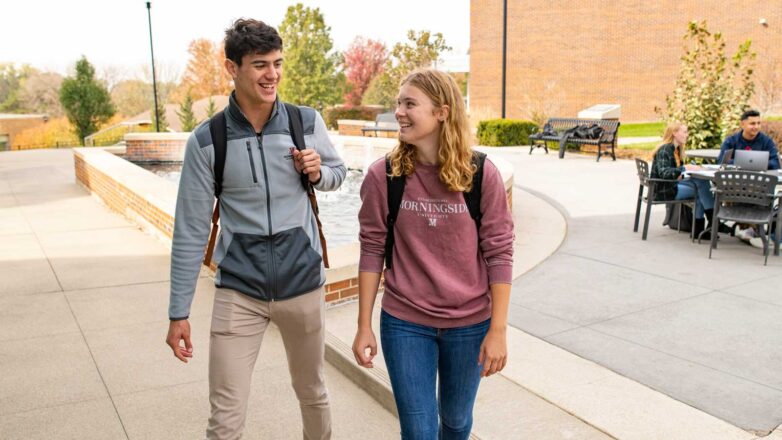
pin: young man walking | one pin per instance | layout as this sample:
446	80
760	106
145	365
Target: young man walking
268	256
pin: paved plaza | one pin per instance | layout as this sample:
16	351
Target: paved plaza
614	337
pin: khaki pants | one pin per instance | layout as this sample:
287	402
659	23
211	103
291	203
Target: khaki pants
238	325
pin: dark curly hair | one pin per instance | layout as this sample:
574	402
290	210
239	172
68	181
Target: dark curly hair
248	36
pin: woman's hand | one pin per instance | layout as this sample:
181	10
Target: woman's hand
494	352
365	340
692	167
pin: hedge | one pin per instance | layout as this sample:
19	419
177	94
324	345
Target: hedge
505	132
362	113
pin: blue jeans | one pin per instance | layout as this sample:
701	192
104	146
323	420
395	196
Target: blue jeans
685	189
415	355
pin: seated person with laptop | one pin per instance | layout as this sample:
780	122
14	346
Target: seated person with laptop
750	138
751	150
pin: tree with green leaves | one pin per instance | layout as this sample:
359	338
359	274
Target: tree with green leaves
711	89
186	115
11	87
311	73
422	49
86	101
211	108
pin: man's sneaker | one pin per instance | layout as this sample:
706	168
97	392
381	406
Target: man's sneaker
757	242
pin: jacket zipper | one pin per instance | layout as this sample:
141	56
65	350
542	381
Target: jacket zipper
273	281
252	163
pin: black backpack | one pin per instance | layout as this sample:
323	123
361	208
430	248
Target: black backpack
396	187
217	128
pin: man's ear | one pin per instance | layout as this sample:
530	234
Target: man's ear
231	68
443	112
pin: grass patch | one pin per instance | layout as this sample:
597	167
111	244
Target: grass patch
642	130
646	146
774	118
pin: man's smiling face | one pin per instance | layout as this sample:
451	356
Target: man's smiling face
257	78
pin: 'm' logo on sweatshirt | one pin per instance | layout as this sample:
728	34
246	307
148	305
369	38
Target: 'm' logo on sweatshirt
433	222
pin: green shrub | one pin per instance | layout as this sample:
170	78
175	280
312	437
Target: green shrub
505	132
362	113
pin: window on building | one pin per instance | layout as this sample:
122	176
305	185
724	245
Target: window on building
4	142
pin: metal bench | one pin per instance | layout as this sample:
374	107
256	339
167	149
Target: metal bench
383	122
560	125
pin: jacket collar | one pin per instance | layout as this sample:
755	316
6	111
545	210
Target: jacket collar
236	113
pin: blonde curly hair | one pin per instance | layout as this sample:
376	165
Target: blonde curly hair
455	152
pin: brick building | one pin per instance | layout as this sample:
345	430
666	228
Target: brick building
565	56
13	124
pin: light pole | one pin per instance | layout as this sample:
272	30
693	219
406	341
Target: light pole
504	50
154	78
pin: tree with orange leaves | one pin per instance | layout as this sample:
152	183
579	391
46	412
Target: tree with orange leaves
205	73
364	60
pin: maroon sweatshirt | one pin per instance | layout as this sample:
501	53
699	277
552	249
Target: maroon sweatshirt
442	265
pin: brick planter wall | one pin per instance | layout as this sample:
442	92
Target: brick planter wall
127	188
150	201
351	127
155	147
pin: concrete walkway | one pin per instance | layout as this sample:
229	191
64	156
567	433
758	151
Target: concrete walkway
83	295
705	332
83	300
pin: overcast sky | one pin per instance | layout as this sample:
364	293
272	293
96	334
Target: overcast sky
53	34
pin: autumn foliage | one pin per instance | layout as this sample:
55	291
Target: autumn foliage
205	74
364	60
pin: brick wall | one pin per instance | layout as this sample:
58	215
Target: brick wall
350	127
129	202
155	147
120	198
12	126
563	57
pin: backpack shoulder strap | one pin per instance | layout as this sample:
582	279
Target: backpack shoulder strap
395	187
296	128
473	197
217	128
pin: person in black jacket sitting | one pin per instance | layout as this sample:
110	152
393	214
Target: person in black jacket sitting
668	163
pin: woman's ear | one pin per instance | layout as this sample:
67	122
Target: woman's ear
443	112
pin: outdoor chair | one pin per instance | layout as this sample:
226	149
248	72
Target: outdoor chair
645	181
745	197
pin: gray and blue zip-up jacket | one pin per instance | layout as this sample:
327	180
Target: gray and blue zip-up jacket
269	246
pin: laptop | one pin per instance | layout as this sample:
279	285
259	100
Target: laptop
749	160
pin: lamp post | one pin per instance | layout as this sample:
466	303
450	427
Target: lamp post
504	51
154	78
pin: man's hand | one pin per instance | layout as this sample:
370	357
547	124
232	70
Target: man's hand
180	331
494	352
365	340
307	162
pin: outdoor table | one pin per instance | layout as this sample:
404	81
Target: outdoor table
707	155
708	174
